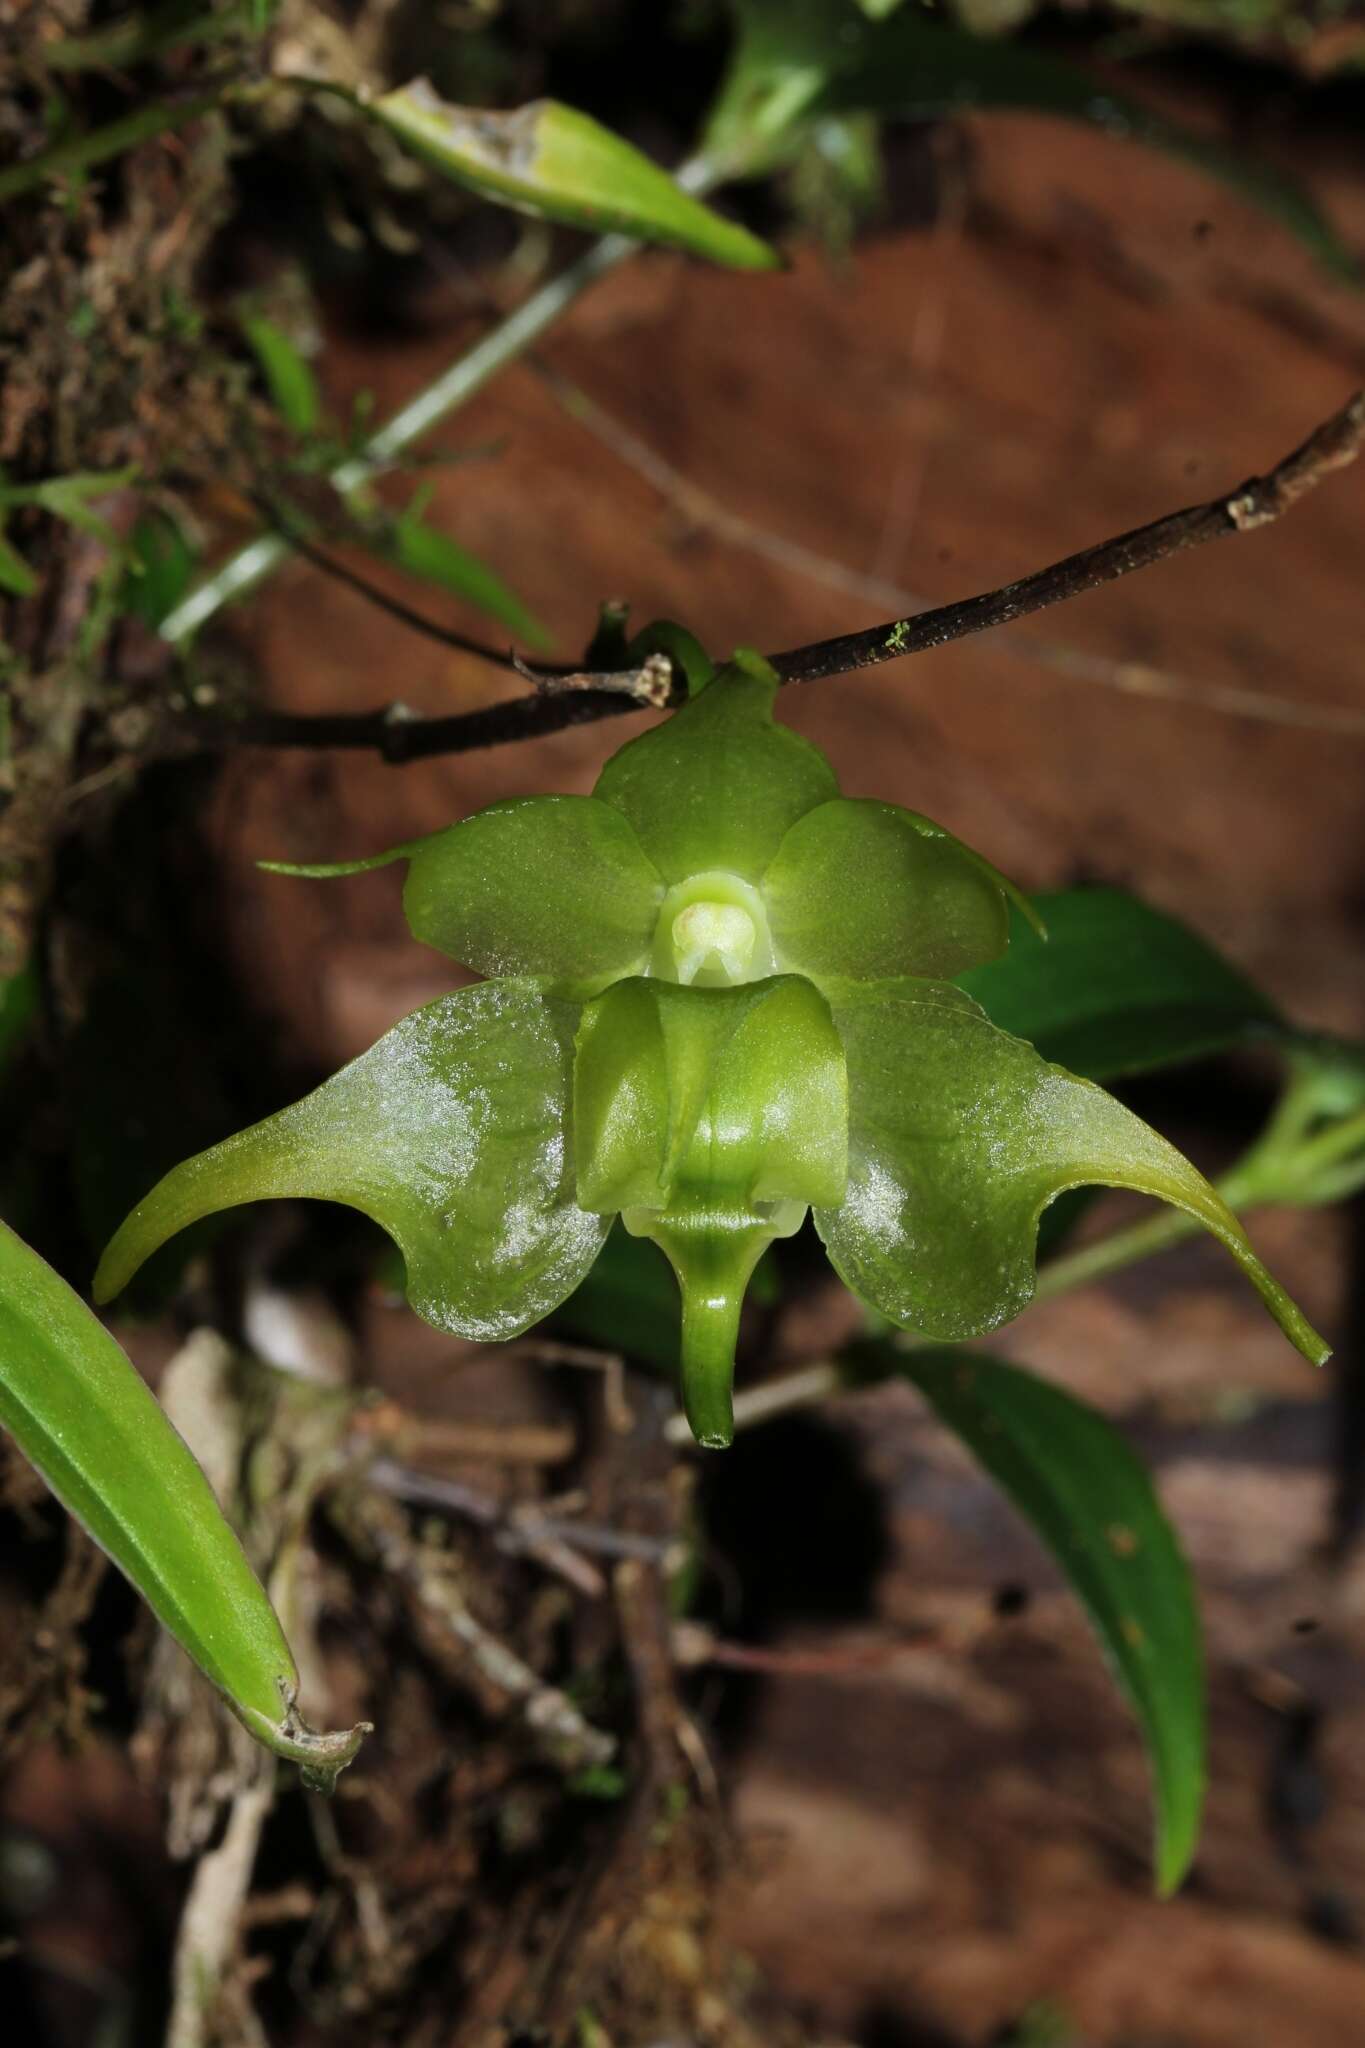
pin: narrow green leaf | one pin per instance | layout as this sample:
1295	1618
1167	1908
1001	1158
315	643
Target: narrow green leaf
796	61
15	574
450	1133
161	565
1075	1479
18	1002
289	379
1118	988
73	497
559	164
79	1411
425	551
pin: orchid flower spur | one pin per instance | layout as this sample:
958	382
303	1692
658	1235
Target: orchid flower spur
719	994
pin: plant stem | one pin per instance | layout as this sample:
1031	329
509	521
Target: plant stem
83	152
454	387
1331	446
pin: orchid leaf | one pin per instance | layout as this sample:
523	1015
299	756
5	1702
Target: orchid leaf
559	164
88	1422
16	577
429	552
450	1133
796	62
288	375
924	905
1071	1474
1119	988
718	784
959	1136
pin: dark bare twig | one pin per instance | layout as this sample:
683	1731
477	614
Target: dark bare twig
1255	503
406	614
576	697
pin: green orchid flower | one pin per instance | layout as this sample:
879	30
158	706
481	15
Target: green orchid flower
719	995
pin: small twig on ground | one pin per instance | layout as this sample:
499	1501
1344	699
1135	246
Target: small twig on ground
454	1636
397	735
211	1921
426	1440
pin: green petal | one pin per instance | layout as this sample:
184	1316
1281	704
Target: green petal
958	1138
710	1118
718	785
550	888
554	887
868	891
450	1133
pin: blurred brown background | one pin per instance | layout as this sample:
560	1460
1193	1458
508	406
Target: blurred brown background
1082	337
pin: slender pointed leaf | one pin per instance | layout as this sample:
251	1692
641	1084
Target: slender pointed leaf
288	376
1118	988
15	574
79	1411
560	164
796	61
425	551
1075	1479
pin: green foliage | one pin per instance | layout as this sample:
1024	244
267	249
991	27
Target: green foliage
1072	1476
1118	988
15	574
288	377
79	1411
559	164
160	567
799	62
426	552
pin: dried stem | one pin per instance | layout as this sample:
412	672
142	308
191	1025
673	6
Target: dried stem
580	697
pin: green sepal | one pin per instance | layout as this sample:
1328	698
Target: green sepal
450	1133
959	1136
867	891
710	1118
718	785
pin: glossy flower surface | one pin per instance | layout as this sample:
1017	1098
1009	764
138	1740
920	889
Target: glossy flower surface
719	996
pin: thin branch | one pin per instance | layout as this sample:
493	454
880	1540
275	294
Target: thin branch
581	698
1255	503
648	685
1131	678
406	614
